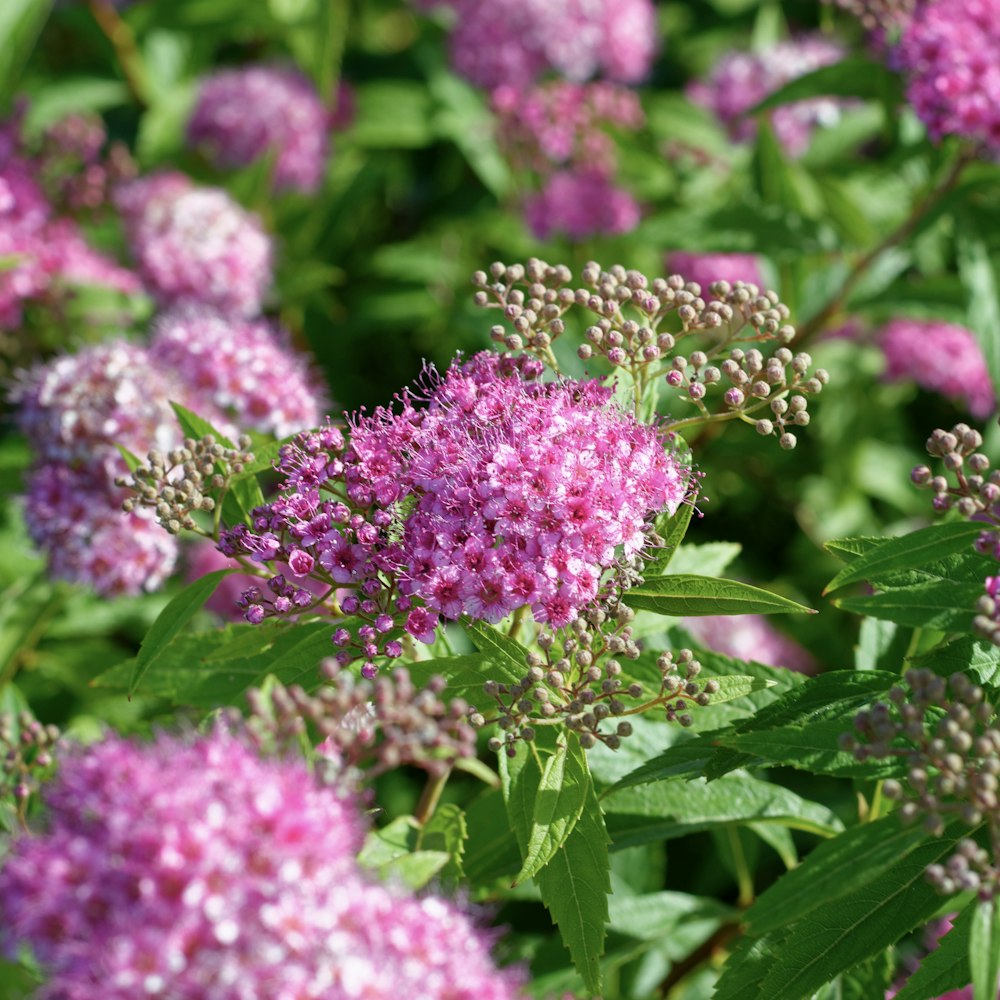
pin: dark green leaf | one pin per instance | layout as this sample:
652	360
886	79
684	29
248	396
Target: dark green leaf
855	76
686	594
947	967
945	606
672	530
919	548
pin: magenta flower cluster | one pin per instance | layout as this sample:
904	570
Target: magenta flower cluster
244	114
750	637
187	869
706	268
518	41
941	357
741	80
42	254
581	204
195	244
499	492
244	370
950	51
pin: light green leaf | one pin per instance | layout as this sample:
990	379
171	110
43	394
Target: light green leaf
559	802
944	606
508	657
672	530
687	594
710	559
21	22
978	273
731	688
984	950
170	622
975	656
919	548
446	831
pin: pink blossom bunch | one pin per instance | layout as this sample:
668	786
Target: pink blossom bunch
950	51
243	369
581	204
524	490
741	80
941	357
193	869
195	244
43	254
517	41
706	268
750	637
244	114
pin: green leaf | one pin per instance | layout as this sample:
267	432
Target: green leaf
394	853
855	76
674	809
709	559
731	688
672	530
849	549
170	622
686	594
17	982
559	802
507	655
446	832
392	114
978	274
131	461
945	606
21	22
919	548
984	950
975	656
946	968
492	852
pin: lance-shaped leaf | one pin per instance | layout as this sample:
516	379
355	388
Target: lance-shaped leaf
946	606
686	594
919	548
507	655
855	76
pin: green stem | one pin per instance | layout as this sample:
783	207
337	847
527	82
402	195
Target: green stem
744	879
430	796
122	40
902	232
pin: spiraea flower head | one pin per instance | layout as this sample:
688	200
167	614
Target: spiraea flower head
192	868
579	204
195	244
517	41
950	52
244	114
941	357
740	80
242	368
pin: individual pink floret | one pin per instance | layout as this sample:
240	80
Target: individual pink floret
188	869
244	114
741	80
940	357
950	51
195	244
242	368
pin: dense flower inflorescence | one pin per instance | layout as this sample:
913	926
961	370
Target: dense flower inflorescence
517	41
740	80
941	357
750	637
195	244
580	204
706	268
244	369
949	51
244	114
195	869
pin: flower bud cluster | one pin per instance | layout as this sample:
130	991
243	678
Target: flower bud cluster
640	324
366	727
579	680
948	733
26	755
179	483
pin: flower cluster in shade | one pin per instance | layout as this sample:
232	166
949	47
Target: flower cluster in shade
706	268
941	357
519	41
244	114
558	131
44	254
191	868
950	53
750	637
195	244
493	492
77	409
741	80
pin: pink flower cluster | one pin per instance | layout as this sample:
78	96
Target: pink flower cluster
581	204
188	869
76	410
750	637
195	244
741	80
517	41
950	50
940	357
706	268
244	369
42	254
244	114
